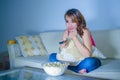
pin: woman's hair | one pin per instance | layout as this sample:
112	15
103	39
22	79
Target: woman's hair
77	17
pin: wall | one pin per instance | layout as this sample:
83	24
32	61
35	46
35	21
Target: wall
33	16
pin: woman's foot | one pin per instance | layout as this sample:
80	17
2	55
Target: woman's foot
83	71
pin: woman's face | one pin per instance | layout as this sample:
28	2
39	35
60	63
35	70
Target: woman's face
71	26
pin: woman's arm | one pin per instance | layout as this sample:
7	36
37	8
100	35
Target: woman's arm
86	48
64	38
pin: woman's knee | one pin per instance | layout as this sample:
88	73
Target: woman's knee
90	64
52	57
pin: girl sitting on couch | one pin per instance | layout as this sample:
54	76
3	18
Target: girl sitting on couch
76	45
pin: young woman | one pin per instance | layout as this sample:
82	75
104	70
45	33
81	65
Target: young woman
77	44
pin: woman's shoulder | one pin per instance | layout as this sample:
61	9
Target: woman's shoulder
86	31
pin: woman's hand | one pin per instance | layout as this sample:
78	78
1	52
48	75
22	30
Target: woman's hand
64	40
65	35
72	34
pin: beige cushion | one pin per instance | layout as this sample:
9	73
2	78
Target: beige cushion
97	53
51	40
31	45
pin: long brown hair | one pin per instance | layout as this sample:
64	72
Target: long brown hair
77	17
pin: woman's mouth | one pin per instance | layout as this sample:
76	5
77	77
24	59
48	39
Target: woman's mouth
70	29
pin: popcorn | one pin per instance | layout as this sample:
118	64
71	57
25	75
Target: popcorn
55	68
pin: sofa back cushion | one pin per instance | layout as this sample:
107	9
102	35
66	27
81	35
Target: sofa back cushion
51	40
107	41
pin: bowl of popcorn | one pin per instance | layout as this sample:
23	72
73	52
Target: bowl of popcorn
55	68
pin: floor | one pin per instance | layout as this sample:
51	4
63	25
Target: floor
4	62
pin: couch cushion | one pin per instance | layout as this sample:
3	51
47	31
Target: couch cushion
97	53
51	40
31	45
108	42
109	70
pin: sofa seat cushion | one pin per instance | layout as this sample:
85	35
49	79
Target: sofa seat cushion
110	65
109	70
32	61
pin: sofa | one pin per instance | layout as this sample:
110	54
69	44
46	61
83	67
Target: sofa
107	41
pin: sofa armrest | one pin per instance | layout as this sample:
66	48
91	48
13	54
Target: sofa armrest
14	51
